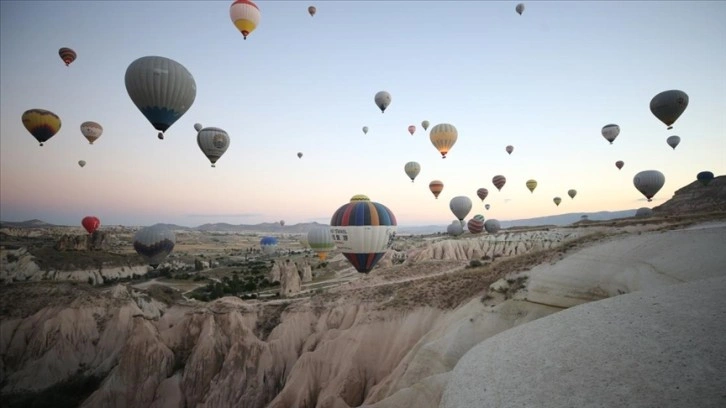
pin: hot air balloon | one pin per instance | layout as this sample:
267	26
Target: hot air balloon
492	226
482	193
668	106
673	141
460	206
443	136
649	182
557	201
213	142
320	241
360	197
509	149
425	124
162	89
299	155
67	55
643	212
412	169
411	129
282	223
91	131
436	187
154	243
365	130
42	124
312	10
499	181
531	185
487	206
610	132
363	231
572	193
245	15
519	9
476	224
382	100
704	177
90	223
81	163
619	164
198	127
455	229
268	245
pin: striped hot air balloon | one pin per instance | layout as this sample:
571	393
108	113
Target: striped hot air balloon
320	241
436	187
476	224
482	193
67	55
499	181
42	124
363	230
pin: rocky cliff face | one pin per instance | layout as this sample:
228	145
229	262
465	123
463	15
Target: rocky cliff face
696	197
88	242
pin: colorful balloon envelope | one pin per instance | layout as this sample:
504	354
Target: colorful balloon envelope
42	124
412	169
531	185
460	206
704	177
610	132
320	241
673	141
557	201
154	243
213	142
91	223
499	181
382	100
162	89
668	106
268	245
476	224
649	182
619	164
412	129
443	136
91	131
572	193
436	187
363	231
67	55
245	16
482	193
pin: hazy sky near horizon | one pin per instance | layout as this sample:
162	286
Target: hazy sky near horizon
545	82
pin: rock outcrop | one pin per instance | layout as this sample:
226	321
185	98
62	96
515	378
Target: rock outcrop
289	278
87	242
696	197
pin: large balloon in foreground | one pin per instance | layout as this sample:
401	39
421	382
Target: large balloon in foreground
67	55
443	136
499	181
363	231
82	163
365	130
245	15
42	124
436	187
312	10
90	223
460	206
425	124
619	164
519	9
509	149
268	245
673	141
492	226
91	131
320	241
411	129
649	182
572	193
154	243
382	100
162	89
213	142
531	185
482	193
455	228
668	106
412	169
704	177
610	132
557	201
476	224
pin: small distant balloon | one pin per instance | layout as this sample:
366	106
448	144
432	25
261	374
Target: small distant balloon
411	129
704	177
436	186
90	223
42	124
557	201
67	55
299	155
619	164
425	125
382	100
412	169
509	149
673	141
668	106
482	193
492	226
213	142
487	206
198	127
81	163
531	185
91	131
154	243
499	181
610	132
649	182
455	228
572	193
312	10
520	8
365	130
443	136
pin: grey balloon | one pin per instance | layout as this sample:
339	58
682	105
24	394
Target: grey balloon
455	228
673	141
643	212
460	206
492	226
162	89
154	243
213	142
649	182
519	9
668	106
382	100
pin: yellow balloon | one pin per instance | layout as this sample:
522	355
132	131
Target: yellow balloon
443	136
245	15
42	124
